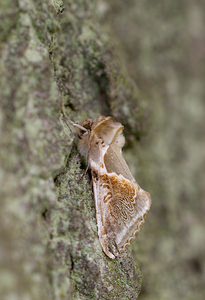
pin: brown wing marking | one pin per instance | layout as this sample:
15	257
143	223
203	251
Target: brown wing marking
126	206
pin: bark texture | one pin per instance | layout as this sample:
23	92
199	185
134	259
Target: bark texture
54	52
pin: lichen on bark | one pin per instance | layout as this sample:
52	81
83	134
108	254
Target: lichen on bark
51	53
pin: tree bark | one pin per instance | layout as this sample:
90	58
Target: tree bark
55	52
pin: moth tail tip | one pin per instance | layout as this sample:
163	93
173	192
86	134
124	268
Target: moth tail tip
110	255
107	251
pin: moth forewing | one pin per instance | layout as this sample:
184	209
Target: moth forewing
114	162
121	205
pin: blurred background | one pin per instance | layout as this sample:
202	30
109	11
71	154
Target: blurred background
56	50
163	46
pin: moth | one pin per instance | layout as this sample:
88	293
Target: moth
121	204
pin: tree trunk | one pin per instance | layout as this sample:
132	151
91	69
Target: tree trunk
54	52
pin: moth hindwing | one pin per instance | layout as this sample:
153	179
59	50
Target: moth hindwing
121	204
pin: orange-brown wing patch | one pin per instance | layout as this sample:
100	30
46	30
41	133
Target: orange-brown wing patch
125	208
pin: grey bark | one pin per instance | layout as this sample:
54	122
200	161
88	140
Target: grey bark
54	52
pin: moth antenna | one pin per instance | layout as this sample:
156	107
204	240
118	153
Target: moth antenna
65	116
67	124
78	126
81	128
71	122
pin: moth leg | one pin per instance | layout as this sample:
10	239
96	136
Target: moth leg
83	175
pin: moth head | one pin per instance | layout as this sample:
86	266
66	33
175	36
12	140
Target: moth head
84	128
84	133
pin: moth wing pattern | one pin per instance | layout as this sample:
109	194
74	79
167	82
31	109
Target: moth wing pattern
121	207
121	204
